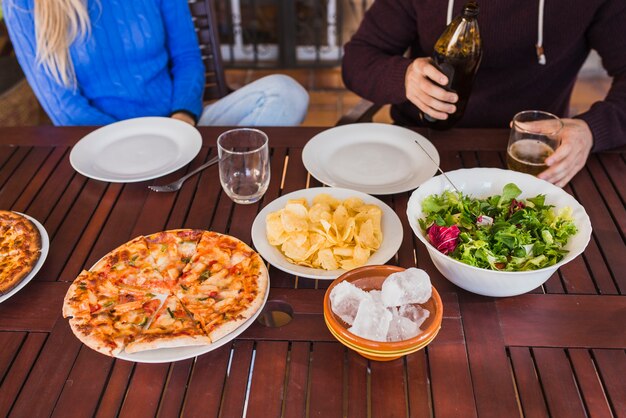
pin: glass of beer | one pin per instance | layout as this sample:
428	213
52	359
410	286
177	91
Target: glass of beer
535	135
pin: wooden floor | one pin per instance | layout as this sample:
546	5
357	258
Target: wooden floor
329	98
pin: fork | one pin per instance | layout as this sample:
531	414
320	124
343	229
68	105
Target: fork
176	185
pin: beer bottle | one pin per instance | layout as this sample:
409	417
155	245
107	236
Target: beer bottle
457	54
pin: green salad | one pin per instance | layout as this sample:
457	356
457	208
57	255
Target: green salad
498	232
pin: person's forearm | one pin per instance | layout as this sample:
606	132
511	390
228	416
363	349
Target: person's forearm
607	118
373	64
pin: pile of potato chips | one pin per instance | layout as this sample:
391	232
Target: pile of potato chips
330	234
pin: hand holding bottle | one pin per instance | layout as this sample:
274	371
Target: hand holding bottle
455	60
423	83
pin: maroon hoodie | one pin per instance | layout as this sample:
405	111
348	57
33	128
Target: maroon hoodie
511	77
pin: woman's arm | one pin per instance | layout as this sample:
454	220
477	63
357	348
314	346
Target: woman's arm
186	64
64	105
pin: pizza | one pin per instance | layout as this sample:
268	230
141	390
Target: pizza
169	289
20	248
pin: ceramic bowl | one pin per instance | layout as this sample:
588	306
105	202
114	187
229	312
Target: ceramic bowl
483	182
371	278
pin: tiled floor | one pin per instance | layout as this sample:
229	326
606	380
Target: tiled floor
329	99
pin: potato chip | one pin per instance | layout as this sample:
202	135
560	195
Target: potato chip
326	259
328	199
360	256
330	234
274	229
353	204
295	217
320	211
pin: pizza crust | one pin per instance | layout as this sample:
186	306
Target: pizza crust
167	342
95	343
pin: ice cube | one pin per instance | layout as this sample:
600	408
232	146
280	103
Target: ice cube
417	314
406	321
376	295
409	286
345	299
371	321
401	328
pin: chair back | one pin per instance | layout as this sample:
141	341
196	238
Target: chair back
203	15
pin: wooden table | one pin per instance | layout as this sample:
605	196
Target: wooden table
557	351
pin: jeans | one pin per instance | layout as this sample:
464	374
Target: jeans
274	100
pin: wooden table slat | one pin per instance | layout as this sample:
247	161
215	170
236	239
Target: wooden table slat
174	393
144	391
548	321
268	381
49	372
7	173
357	390
326	385
10	343
527	383
20	367
611	365
208	202
81	226
19	184
297	380
418	380
204	393
83	387
34	308
614	203
607	237
234	397
56	184
589	383
615	166
115	390
558	383
449	368
489	364
388	389
39	179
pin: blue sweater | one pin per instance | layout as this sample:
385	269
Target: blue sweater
141	59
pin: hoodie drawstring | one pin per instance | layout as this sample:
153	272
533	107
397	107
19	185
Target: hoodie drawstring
541	56
450	7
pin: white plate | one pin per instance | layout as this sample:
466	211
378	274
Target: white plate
372	158
136	149
391	226
167	355
45	246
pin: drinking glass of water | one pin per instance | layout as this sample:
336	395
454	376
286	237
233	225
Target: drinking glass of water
535	135
244	164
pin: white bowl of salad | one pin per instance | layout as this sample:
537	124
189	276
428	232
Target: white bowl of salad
506	232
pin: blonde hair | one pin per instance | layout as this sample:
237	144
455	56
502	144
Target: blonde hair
58	23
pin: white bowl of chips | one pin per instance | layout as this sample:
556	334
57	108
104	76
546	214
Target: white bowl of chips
343	252
484	182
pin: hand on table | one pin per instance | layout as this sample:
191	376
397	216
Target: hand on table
570	157
420	82
184	117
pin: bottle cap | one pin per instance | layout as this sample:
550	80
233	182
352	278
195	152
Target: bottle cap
470	9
